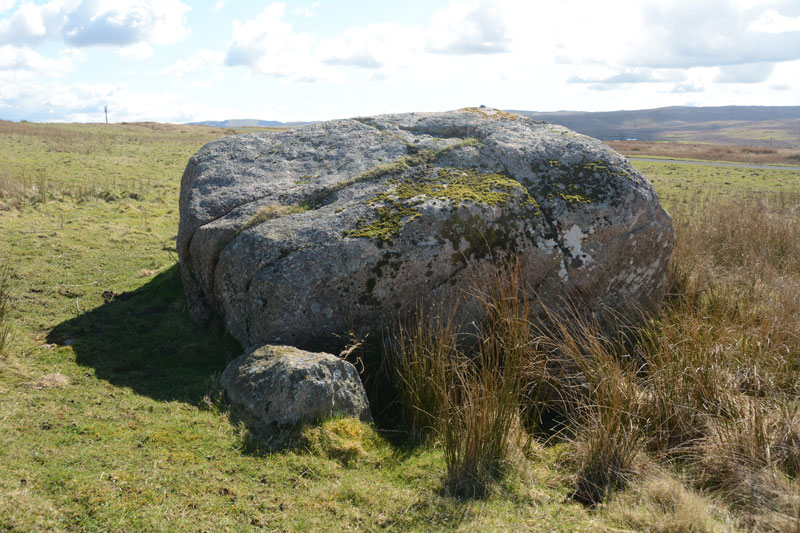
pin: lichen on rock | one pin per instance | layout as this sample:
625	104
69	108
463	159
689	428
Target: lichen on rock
454	185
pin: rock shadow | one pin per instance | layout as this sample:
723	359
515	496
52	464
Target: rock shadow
145	340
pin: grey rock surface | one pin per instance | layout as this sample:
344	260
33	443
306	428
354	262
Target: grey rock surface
283	385
292	237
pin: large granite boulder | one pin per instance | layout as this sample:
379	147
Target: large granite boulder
296	236
284	385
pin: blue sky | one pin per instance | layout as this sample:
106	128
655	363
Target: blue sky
181	61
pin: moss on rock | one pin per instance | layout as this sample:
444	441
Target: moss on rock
486	112
581	183
416	157
269	212
481	238
400	205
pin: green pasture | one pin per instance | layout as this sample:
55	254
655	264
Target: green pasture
134	435
685	183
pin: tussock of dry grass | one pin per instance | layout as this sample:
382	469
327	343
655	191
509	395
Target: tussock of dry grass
466	389
711	381
725	355
51	381
5	306
342	439
660	502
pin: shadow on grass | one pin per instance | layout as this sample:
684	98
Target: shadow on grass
145	340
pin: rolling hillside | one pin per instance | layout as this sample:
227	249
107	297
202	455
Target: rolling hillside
741	125
777	126
247	123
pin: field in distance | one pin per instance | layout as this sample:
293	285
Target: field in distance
764	155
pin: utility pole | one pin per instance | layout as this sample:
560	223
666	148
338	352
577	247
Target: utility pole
106	110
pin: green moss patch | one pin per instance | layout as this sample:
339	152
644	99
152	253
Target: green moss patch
271	211
457	186
571	194
481	238
416	157
582	183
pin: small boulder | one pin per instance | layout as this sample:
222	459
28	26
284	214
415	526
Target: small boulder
283	385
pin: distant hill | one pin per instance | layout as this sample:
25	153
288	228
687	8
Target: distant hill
740	125
747	125
248	122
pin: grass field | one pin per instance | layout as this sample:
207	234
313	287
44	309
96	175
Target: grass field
111	416
699	184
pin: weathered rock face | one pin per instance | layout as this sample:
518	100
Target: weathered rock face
291	237
283	385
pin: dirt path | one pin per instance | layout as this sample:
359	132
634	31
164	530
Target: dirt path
713	163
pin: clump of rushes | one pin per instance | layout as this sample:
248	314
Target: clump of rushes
721	371
473	390
600	398
710	381
466	389
425	364
481	429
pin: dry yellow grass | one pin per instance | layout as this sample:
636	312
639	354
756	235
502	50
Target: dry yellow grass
709	152
711	381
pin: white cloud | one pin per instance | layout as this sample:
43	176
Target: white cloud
787	74
307	11
199	61
677	34
35	100
689	87
23	60
605	75
140	51
771	21
125	22
747	73
31	24
374	46
687	33
569	53
81	97
476	27
5	5
97	22
269	45
82	102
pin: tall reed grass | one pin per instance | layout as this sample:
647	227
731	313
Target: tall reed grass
465	388
711	382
